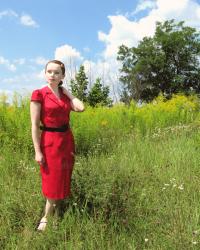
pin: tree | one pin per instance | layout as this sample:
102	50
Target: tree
99	94
168	63
79	84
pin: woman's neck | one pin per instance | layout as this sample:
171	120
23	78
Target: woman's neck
55	90
53	87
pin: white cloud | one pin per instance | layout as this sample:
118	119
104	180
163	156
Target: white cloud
41	75
27	20
8	13
67	53
107	71
24	19
143	5
170	6
10	66
22	82
70	57
40	60
99	69
129	33
86	49
18	79
20	61
124	32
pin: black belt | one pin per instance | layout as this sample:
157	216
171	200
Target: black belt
59	129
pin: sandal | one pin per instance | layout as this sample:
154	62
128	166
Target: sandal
42	224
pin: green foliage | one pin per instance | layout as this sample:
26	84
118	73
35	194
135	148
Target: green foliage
96	128
135	183
146	185
166	63
99	95
80	84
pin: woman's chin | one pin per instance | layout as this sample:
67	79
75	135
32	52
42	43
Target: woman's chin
53	82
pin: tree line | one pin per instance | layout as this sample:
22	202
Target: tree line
166	63
97	95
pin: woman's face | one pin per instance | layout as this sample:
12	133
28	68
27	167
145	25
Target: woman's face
54	73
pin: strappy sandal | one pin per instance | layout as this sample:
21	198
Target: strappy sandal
42	224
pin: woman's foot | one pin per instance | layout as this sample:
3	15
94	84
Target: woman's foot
42	224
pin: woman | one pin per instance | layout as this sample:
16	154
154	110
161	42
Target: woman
54	147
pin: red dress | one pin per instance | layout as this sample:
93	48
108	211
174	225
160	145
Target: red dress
57	147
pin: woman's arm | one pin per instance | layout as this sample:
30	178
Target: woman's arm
77	105
35	109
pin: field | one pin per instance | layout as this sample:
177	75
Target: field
135	184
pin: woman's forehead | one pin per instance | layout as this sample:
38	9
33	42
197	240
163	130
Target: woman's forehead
54	66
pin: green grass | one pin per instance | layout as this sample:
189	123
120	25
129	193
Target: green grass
135	184
145	188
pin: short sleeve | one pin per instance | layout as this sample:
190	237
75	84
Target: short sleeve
36	96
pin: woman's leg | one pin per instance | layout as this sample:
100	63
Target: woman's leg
49	209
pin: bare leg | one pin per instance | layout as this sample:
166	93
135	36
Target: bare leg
49	209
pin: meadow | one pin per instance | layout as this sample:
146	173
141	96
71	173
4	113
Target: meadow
135	184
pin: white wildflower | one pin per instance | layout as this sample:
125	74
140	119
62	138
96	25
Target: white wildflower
181	187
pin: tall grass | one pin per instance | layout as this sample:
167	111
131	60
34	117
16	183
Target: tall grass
135	183
97	128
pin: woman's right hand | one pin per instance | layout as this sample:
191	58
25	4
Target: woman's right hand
39	158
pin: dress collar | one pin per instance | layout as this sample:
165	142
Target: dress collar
52	96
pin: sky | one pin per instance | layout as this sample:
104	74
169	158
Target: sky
86	32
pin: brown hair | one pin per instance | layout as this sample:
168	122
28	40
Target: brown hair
62	66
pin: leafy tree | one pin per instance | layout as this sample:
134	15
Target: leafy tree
168	63
79	84
99	94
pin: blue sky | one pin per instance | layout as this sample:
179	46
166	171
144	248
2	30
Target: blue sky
59	22
77	32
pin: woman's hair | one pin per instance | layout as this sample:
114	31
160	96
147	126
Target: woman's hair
62	66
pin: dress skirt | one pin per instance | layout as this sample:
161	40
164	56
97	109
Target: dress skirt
58	150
